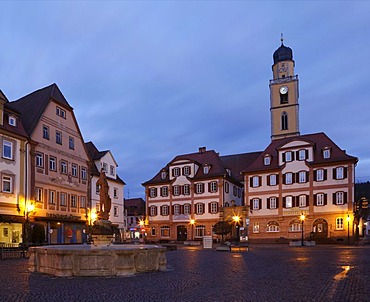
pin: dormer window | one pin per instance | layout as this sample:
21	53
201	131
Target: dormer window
228	172
12	121
267	160
104	167
326	153
186	171
176	172
288	156
206	169
163	174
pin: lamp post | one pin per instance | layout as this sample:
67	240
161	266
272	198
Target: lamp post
192	222
348	220
302	218
236	219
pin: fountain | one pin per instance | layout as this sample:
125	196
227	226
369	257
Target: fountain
102	258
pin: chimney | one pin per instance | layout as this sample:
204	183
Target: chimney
202	149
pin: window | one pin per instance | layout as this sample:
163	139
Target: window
186	170
164	191
163	174
200	231
63	199
320	174
165	231
165	210
199	208
58	137
176	209
326	153
111	168
213	186
97	189
73	201
52	197
104	167
152	231
52	163
7	149
284	121
63	167
45	132
255	204
288	156
38	194
97	207
339	223
71	143
199	188
227	187
186	189
153	211
295	226
235	190
320	199
187	209
302	201
256	227
302	154
60	112
74	170
7	184
339	173
82	202
255	181
115	211
176	172
115	192
153	192
272	202
239	192
302	177
272	226
176	190
288	202
272	179
83	173
39	160
288	178
206	169
267	160
339	198
213	207
12	121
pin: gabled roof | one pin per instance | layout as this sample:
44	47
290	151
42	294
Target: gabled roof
218	165
135	206
319	141
33	105
3	97
94	154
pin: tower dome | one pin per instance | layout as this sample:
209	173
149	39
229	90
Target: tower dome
283	53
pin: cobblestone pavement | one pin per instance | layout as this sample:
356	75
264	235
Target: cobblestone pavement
264	273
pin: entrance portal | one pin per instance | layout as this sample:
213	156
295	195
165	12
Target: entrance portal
181	233
320	229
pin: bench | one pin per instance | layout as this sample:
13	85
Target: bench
12	251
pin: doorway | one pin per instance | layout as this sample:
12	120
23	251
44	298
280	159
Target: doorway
181	233
320	229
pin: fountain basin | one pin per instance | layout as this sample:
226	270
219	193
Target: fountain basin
90	260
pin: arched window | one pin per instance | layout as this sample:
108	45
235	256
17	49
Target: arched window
272	226
295	226
284	121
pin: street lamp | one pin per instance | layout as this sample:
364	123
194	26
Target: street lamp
348	220
302	218
236	219
192	222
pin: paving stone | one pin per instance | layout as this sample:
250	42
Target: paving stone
264	273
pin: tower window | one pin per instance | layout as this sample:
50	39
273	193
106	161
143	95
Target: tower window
284	121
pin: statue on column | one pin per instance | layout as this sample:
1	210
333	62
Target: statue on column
105	200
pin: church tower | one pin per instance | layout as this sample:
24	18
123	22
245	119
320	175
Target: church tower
284	105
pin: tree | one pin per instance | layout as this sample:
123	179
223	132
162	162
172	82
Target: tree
222	228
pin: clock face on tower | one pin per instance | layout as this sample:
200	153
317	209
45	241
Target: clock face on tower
283	90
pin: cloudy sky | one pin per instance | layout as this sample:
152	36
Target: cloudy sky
150	80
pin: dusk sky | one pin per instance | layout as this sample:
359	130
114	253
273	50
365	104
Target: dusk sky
150	80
